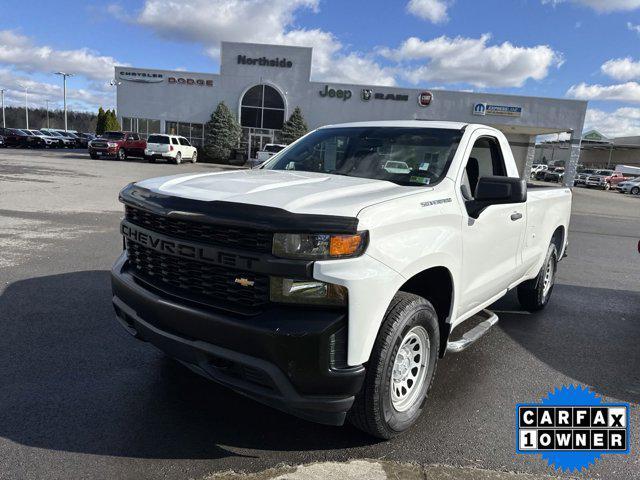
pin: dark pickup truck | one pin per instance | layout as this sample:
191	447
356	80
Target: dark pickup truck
117	144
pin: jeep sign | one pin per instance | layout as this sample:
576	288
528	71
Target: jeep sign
337	93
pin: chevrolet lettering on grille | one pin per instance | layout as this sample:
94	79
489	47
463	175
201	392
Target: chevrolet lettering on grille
179	248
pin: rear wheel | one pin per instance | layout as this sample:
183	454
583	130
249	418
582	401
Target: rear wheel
635	190
607	186
400	369
122	154
534	294
178	159
151	159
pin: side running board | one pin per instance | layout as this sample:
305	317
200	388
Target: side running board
488	320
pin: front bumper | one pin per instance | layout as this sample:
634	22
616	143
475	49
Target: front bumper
111	151
293	359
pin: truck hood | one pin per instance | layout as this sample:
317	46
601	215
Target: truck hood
295	191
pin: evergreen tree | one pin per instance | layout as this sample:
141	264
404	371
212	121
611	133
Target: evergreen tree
294	128
221	134
101	121
111	123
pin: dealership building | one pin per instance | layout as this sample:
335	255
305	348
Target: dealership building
262	84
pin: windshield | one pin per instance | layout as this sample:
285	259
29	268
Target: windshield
406	156
158	139
113	135
273	148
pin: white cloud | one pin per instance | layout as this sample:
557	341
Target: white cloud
261	21
471	60
434	11
81	99
624	92
622	69
601	6
19	52
623	122
633	27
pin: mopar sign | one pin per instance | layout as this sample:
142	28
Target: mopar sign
500	110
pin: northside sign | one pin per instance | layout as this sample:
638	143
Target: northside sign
265	62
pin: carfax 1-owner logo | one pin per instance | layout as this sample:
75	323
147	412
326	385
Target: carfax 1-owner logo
572	427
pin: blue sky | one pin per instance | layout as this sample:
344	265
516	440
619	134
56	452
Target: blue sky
588	49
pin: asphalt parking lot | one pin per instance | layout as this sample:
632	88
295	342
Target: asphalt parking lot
79	398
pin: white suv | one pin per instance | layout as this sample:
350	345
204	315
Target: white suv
173	148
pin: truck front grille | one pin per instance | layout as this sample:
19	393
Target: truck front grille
229	237
99	144
199	282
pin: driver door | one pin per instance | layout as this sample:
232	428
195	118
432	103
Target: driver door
492	241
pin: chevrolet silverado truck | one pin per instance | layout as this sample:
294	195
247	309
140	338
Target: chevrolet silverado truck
328	284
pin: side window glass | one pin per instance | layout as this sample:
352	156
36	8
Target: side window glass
485	160
174	141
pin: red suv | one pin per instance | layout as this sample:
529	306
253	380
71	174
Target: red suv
118	144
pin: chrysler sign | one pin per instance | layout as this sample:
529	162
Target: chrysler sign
141	77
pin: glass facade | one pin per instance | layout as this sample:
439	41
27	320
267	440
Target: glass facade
194	132
143	126
262	106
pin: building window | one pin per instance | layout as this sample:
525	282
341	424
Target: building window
194	132
143	126
262	106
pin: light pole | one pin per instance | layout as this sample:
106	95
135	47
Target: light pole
3	118
115	83
64	94
47	102
26	105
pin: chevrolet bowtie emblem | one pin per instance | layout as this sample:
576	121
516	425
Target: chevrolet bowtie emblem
244	282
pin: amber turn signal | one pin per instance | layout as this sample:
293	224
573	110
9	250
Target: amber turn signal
344	245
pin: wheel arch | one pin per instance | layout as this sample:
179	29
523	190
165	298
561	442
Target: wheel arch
436	285
558	239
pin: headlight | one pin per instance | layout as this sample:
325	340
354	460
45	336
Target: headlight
310	292
318	246
112	144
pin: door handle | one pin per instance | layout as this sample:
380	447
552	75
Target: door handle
516	216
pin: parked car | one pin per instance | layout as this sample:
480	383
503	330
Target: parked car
270	149
329	289
66	141
582	175
84	139
605	179
117	144
554	174
631	186
172	148
14	137
48	141
537	167
2	145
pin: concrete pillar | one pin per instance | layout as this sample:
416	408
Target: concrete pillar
571	164
531	155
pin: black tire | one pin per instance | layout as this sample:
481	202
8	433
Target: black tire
607	186
532	294
635	191
373	411
151	159
93	156
194	157
122	154
178	159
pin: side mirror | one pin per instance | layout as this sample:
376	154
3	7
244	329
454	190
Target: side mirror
496	191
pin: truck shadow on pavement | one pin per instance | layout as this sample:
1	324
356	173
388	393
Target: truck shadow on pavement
589	334
71	379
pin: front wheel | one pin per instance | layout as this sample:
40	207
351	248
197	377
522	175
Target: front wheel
194	157
607	186
635	190
400	370
122	154
534	294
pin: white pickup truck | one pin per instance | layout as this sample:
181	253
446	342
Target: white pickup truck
328	285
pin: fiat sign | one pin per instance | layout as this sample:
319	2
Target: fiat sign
424	98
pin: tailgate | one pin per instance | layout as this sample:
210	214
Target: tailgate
158	147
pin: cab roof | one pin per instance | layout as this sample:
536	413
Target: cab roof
402	123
